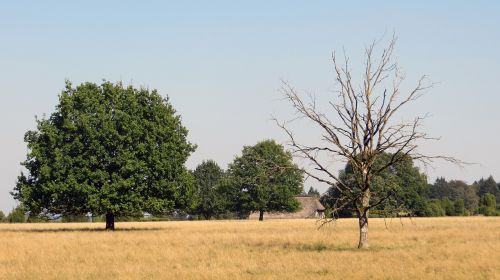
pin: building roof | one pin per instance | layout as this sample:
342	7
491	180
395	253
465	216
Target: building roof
310	202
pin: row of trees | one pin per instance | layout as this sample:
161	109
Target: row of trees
17	215
262	179
120	151
250	185
114	150
410	192
455	198
414	196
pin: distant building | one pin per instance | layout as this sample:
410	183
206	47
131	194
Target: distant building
310	208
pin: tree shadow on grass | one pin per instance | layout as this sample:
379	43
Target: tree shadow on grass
41	230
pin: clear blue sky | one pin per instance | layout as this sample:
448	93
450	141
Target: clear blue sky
221	63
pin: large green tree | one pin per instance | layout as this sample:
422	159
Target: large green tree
266	179
210	200
107	149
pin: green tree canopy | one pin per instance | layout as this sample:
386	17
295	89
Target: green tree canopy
487	186
400	188
208	177
488	205
266	179
107	149
442	189
17	215
456	190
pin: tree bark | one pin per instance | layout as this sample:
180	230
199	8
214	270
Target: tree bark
363	230
363	213
261	215
110	221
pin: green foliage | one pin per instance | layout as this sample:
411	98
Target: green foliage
17	215
488	205
264	178
459	207
498	193
210	192
3	219
471	199
107	149
454	191
487	186
433	208
445	207
401	187
448	206
488	200
441	189
313	192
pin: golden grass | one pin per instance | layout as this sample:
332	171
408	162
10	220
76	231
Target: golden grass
424	248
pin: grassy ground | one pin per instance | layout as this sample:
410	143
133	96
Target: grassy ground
438	248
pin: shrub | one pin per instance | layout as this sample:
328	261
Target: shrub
17	215
434	209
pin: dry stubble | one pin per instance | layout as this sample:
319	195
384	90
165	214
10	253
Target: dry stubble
439	248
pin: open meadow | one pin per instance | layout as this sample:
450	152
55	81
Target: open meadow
423	248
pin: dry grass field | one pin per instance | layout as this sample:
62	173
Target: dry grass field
426	248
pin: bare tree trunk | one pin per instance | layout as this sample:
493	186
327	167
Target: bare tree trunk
363	213
363	230
364	128
110	221
261	215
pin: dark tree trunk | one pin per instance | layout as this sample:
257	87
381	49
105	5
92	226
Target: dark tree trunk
261	215
110	221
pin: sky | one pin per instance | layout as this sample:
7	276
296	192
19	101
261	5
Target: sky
222	62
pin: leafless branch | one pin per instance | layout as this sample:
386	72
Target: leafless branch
364	126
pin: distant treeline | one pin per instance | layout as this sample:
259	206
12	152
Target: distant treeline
456	198
445	198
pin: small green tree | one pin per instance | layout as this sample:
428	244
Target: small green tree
17	215
459	207
471	200
109	150
448	206
433	208
208	176
2	217
265	179
488	205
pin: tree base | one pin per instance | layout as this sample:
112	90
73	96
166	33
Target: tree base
110	221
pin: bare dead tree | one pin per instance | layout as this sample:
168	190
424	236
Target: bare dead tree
364	128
